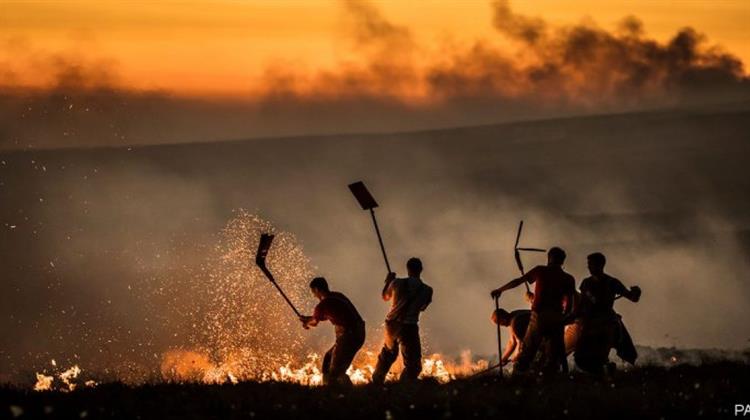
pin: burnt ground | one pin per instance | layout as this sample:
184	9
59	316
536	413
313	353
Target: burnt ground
708	391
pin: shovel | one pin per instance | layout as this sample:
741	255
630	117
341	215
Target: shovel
367	202
260	260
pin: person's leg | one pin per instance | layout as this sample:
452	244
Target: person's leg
340	361
625	347
411	351
553	331
326	366
346	348
388	353
531	342
557	360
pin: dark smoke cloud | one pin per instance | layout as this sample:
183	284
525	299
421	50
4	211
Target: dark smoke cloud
392	83
585	64
529	29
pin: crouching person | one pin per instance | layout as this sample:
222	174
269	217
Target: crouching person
517	323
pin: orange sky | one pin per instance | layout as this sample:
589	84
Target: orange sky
221	47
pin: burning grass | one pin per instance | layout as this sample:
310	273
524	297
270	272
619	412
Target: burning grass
227	324
244	331
682	391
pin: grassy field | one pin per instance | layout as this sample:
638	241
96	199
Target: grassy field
708	391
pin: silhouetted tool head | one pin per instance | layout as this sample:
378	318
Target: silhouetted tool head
517	249
518	261
365	199
265	244
518	235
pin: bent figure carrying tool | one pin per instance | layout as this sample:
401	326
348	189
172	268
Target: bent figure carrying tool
517	322
350	330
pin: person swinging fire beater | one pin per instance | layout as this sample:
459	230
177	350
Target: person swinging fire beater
349	326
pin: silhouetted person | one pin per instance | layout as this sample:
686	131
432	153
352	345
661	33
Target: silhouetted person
553	294
600	289
517	323
350	330
409	296
600	327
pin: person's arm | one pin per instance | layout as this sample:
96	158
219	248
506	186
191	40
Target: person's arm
526	278
387	292
317	316
509	349
308	321
427	297
570	297
529	297
509	285
568	302
633	295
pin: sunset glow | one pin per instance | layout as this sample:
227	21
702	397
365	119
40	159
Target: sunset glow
226	48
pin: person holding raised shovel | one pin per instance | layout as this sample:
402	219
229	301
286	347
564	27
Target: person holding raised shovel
408	296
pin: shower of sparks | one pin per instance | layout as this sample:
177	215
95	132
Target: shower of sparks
230	324
251	334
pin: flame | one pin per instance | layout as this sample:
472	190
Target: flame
241	330
67	377
246	333
435	368
194	366
43	382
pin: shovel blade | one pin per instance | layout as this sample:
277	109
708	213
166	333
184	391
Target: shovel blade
263	246
364	198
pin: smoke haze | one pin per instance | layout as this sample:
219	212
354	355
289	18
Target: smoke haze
100	246
109	232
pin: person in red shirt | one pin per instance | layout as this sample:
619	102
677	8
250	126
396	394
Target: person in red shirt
349	326
553	297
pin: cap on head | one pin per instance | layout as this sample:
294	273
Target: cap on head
414	265
597	259
319	283
556	255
